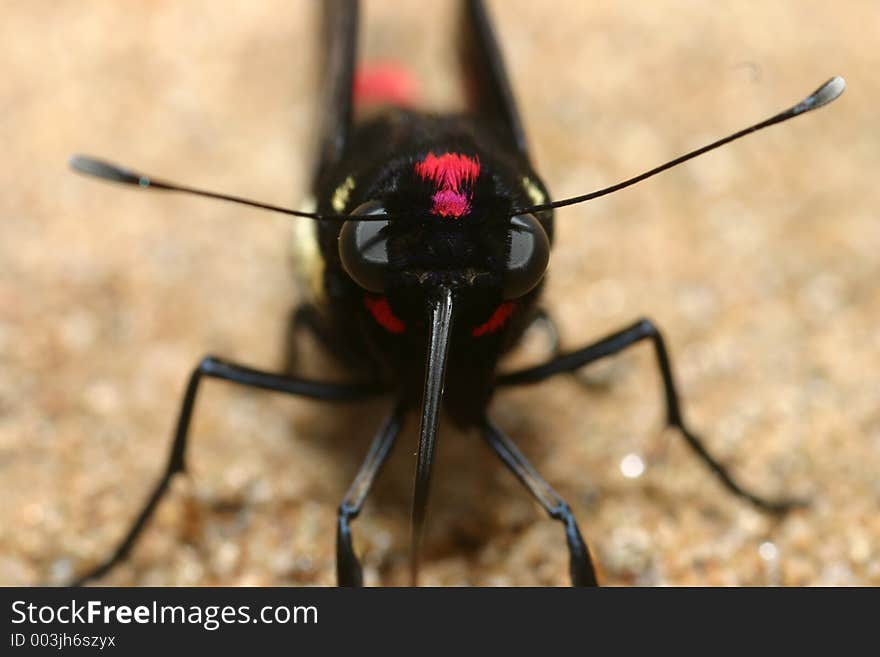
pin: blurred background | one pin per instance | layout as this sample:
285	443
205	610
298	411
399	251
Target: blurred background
759	262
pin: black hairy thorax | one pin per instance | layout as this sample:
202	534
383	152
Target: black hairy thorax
449	184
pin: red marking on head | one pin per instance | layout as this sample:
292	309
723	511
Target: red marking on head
496	321
450	204
384	83
382	313
453	175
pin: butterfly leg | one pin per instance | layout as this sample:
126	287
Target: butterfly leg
544	322
645	329
348	568
218	369
581	564
304	317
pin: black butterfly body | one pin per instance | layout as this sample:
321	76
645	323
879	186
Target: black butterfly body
433	238
385	334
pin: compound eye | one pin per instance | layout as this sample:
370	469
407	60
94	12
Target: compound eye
363	248
527	257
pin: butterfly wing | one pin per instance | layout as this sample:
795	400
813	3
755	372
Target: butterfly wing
488	88
340	51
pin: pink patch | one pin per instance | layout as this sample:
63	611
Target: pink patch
453	175
384	83
450	204
496	321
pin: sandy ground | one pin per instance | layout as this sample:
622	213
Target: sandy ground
760	262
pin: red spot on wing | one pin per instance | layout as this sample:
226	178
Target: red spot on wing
453	176
384	83
496	321
381	311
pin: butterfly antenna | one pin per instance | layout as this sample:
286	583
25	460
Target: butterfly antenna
819	98
91	166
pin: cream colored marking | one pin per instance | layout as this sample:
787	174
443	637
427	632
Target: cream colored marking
340	197
533	191
307	261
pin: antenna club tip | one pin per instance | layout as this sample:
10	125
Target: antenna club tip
100	169
77	162
828	92
835	86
